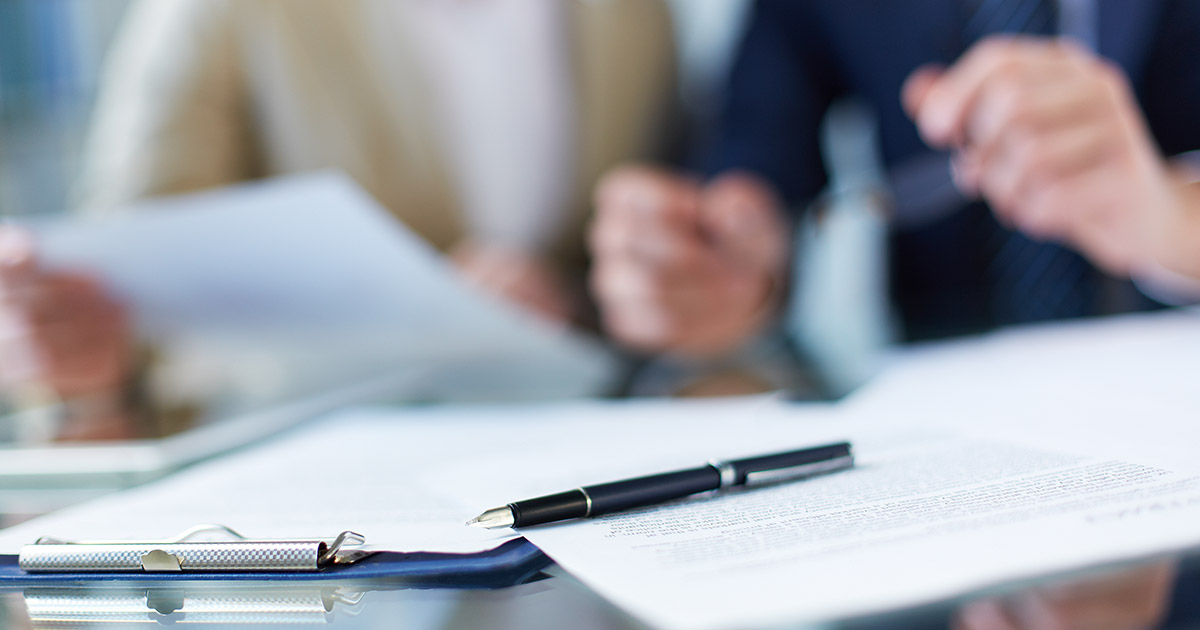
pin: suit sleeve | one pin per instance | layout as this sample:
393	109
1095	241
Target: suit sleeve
1171	87
171	115
780	88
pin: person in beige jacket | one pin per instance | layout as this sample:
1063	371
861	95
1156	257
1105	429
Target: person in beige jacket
480	125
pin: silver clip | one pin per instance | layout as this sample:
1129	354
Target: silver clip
335	554
799	472
184	553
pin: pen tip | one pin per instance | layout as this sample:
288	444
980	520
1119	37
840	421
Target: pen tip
493	519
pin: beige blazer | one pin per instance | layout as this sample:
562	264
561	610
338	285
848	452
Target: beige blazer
203	93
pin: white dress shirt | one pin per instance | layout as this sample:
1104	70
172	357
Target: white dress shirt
501	81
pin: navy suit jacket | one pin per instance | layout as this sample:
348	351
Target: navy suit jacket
798	56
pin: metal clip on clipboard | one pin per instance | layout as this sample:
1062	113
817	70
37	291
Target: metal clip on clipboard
182	554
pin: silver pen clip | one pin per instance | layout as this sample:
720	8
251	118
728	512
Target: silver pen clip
182	553
776	475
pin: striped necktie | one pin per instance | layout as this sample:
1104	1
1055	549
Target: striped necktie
1030	281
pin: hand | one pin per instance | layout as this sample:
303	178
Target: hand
59	331
1127	600
1052	137
515	276
683	268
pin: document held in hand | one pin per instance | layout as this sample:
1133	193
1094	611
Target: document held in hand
308	276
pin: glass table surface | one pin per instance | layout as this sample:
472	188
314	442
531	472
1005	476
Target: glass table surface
550	600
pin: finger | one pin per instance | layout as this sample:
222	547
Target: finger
515	276
948	103
745	220
83	362
916	87
43	296
57	298
1013	173
19	360
641	329
1065	208
540	291
480	263
984	615
76	335
654	244
1048	96
650	194
627	282
18	259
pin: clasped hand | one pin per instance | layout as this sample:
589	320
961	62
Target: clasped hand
1053	138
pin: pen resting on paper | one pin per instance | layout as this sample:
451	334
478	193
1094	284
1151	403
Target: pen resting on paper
588	501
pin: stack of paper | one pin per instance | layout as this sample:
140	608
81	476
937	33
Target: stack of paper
934	509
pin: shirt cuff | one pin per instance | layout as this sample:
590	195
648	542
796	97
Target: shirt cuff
1158	282
1166	286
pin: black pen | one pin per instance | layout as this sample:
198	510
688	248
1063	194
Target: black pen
630	493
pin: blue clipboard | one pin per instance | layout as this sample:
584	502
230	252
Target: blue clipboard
513	562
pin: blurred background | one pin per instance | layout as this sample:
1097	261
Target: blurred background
52	56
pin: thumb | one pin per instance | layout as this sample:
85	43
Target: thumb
18	257
744	219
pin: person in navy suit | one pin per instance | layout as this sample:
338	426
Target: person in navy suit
1067	153
1070	156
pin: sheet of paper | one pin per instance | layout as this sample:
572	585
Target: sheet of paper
306	281
1124	386
923	517
1075	447
408	479
935	508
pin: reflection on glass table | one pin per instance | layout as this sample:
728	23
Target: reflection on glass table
543	602
549	600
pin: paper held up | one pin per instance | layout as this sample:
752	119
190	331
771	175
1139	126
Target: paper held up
307	279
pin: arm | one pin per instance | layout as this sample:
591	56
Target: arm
172	114
1170	91
780	88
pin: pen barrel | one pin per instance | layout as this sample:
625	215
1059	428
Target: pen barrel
651	490
550	508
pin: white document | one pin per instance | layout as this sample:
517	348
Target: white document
305	282
1126	386
920	519
935	508
925	517
409	479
